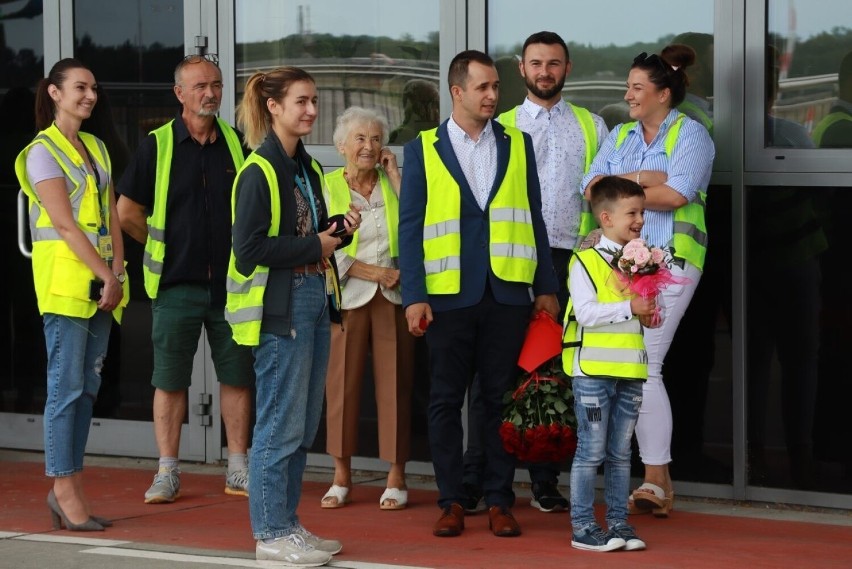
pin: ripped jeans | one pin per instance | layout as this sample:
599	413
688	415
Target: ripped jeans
607	411
76	348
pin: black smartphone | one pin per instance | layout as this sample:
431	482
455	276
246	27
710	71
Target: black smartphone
340	230
96	289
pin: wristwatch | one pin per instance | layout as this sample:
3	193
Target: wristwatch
121	277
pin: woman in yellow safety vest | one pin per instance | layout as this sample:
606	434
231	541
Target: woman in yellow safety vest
78	271
373	319
282	291
671	156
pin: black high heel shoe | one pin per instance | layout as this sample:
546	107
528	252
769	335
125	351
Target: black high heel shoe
58	517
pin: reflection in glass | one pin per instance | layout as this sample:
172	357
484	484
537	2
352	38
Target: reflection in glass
364	54
22	351
806	48
132	47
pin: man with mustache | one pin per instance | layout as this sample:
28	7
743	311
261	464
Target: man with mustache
176	200
565	138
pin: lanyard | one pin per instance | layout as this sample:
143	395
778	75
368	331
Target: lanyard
100	195
304	184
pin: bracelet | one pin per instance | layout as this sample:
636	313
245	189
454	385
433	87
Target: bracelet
639	173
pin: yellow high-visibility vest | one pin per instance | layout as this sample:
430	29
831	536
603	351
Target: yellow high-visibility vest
512	250
613	351
155	244
61	278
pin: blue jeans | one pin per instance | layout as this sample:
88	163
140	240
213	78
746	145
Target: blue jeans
76	348
290	380
607	411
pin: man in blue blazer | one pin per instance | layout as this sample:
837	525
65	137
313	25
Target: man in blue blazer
475	264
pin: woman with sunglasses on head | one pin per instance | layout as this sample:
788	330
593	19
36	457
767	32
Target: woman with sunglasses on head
282	292
671	157
78	270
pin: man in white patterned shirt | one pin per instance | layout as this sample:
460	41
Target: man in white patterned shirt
565	139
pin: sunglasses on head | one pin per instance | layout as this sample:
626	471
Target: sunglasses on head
653	59
197	57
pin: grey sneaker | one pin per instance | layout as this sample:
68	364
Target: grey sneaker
628	534
290	551
593	538
166	487
236	484
328	545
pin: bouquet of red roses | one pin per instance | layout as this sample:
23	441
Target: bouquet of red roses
538	420
644	270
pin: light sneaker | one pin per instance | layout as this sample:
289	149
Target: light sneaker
290	551
593	538
166	487
328	545
236	484
628	534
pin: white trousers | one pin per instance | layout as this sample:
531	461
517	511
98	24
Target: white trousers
654	428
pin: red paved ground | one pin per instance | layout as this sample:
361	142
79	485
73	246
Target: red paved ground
206	518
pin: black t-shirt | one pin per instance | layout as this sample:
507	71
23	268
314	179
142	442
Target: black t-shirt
198	208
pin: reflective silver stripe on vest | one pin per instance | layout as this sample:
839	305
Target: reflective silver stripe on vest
516	215
690	229
443	264
514	250
259	279
156	233
248	314
153	266
436	230
78	178
613	355
626	327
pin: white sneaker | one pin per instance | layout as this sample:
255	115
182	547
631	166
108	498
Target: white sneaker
290	551
328	545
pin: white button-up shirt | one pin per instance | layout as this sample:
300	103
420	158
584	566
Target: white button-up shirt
373	249
477	158
560	156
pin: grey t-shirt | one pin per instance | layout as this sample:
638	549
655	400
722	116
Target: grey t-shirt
41	166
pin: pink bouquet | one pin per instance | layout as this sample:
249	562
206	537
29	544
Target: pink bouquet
644	270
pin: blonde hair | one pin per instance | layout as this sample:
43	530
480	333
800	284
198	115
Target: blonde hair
253	116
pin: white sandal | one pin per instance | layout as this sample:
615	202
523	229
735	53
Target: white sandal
340	495
398	498
649	496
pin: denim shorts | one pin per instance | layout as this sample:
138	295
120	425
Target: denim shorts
179	312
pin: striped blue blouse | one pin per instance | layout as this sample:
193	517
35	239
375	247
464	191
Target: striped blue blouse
688	169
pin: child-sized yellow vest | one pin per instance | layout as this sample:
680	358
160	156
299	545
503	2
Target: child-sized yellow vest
613	351
61	278
512	239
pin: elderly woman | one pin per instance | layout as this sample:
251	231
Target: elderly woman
373	320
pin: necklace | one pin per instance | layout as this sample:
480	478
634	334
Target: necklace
352	182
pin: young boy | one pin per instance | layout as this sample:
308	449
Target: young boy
605	356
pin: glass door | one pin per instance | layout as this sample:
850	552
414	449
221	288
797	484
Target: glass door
132	46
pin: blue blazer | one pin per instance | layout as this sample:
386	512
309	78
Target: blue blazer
475	261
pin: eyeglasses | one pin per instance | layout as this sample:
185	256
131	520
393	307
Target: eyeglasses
198	57
644	59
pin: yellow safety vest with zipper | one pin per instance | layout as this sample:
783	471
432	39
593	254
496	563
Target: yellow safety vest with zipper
244	302
690	229
339	198
155	244
512	239
612	351
590	137
61	278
